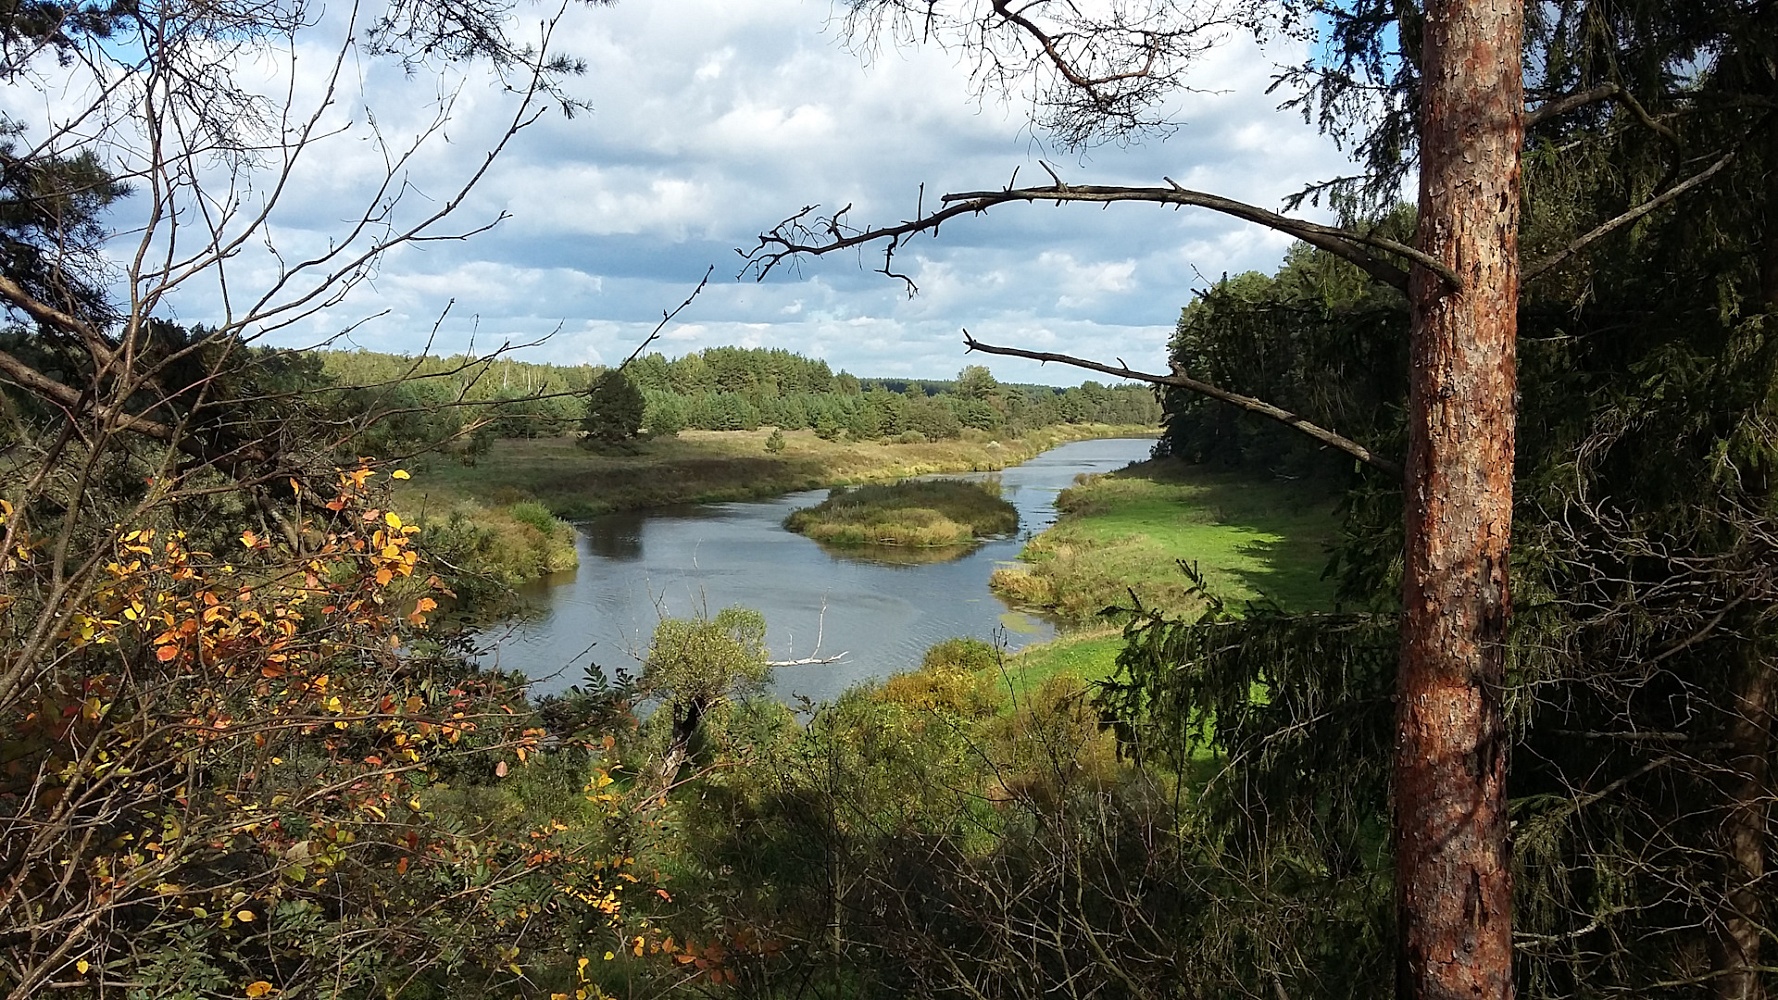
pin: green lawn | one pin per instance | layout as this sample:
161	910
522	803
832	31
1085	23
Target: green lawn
1128	530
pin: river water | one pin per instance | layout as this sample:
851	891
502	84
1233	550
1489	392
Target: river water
637	566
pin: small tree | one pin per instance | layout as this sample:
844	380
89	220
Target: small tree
697	665
976	382
664	416
614	408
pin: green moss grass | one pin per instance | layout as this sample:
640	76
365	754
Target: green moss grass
928	513
1127	531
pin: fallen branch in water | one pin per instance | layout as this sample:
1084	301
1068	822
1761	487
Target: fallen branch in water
807	660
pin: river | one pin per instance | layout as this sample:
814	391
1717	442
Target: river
640	565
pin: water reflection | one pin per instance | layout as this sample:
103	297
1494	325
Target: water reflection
882	610
617	537
899	555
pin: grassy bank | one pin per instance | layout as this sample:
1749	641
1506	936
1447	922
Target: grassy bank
502	546
929	513
710	466
1089	655
1127	531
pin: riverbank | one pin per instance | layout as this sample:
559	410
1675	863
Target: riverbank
714	467
505	546
1127	531
504	517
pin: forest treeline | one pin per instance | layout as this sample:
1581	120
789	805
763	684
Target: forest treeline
722	388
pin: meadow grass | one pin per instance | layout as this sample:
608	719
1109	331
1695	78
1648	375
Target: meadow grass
1090	655
713	466
925	513
1126	532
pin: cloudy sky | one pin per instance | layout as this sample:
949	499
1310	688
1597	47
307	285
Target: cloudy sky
711	120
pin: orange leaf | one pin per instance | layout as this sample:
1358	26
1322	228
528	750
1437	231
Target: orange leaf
166	653
258	988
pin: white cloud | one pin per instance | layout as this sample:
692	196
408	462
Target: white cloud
712	121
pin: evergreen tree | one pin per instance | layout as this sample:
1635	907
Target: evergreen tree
614	408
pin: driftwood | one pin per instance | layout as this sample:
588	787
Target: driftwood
805	661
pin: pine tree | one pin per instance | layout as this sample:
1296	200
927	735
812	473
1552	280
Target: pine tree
614	408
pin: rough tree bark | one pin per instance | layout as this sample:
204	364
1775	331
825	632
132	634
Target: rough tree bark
1453	873
1748	791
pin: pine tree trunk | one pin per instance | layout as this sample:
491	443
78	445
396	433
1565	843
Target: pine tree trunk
1737	958
1453	874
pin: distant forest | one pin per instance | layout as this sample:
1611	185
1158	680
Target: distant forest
723	388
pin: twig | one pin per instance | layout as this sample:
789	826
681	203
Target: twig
667	317
1183	381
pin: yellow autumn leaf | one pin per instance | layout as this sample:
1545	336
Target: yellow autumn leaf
392	519
83	965
258	988
399	474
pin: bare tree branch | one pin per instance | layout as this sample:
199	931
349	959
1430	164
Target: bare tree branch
807	234
1611	225
1179	379
1557	106
667	317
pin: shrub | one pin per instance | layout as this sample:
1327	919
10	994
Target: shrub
963	653
534	514
942	688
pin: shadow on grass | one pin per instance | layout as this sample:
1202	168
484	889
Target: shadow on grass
1279	532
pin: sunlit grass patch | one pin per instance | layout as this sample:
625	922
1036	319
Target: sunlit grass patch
1087	655
1125	533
